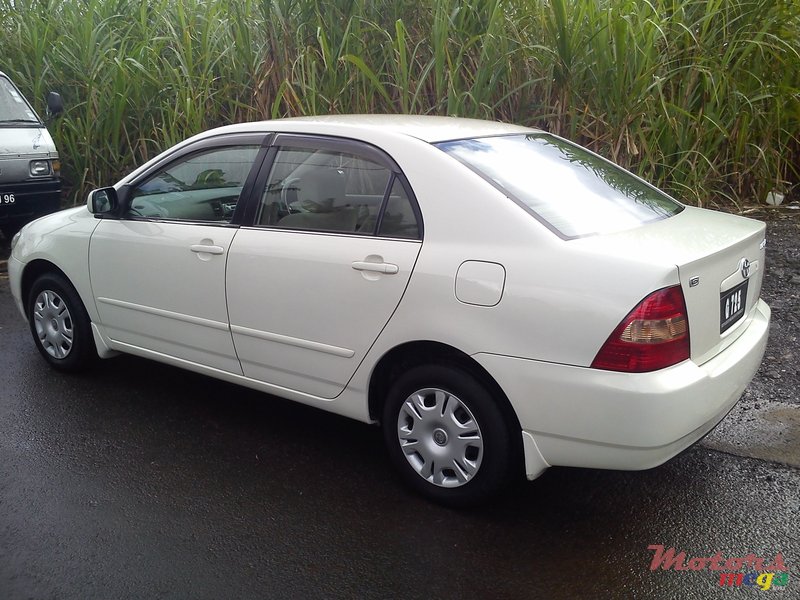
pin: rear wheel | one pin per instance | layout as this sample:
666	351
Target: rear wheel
59	323
447	436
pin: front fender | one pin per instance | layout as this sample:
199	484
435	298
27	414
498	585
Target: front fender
62	240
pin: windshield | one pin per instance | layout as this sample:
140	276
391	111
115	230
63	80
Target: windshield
13	107
570	189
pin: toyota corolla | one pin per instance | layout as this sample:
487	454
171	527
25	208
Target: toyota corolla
496	298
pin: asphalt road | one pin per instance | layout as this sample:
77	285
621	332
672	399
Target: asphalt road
139	480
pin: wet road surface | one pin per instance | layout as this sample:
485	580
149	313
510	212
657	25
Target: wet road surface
139	480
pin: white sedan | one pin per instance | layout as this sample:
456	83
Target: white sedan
497	298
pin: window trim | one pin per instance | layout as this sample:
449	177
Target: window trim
337	144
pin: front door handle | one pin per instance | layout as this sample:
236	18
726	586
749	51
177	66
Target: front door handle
377	267
208	249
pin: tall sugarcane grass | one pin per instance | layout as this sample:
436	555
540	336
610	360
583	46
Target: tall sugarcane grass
698	96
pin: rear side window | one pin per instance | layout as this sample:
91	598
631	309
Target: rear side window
323	190
332	190
573	191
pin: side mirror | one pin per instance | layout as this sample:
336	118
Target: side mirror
55	106
103	201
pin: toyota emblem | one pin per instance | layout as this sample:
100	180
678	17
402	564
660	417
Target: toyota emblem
745	265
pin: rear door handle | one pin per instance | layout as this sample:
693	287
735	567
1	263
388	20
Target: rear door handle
206	249
381	267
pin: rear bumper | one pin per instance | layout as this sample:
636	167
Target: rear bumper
31	199
583	417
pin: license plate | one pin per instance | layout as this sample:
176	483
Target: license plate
731	306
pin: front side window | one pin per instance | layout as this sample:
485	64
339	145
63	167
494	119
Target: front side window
575	192
204	186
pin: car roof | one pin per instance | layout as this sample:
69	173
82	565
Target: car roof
374	129
427	128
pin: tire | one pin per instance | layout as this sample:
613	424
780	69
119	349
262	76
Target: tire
426	412
60	326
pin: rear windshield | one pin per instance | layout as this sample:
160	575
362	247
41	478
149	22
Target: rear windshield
14	109
573	191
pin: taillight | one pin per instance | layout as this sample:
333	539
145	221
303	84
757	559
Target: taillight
654	335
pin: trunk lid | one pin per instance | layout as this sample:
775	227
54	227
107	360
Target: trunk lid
716	255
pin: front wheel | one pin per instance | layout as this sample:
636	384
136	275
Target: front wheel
447	436
59	323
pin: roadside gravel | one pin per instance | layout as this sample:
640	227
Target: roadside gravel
779	377
765	423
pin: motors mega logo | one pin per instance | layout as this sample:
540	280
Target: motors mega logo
745	571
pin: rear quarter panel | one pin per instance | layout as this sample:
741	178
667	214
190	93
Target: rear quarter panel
561	300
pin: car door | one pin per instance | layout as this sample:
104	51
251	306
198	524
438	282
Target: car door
318	274
158	271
